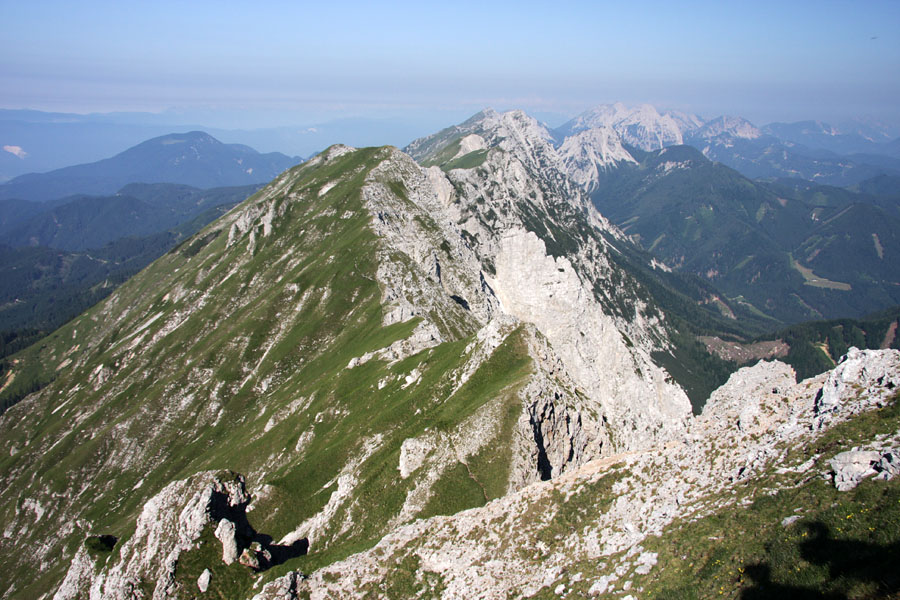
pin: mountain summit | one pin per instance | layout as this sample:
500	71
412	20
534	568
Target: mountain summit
641	126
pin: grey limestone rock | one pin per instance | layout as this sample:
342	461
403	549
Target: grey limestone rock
171	523
283	588
853	466
203	580
863	377
889	465
225	533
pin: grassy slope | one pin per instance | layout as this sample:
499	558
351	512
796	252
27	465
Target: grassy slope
845	544
164	404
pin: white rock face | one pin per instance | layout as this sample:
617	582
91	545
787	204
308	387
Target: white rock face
413	452
869	374
470	143
642	126
631	390
203	580
80	577
225	533
589	152
557	295
752	399
853	466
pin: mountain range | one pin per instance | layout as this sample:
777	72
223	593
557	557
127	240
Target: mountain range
77	236
35	142
442	372
195	159
792	249
822	154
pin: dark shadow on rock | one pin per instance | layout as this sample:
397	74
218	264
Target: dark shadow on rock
281	554
265	554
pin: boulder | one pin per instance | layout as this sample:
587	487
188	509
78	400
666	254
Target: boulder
225	532
203	580
256	557
853	466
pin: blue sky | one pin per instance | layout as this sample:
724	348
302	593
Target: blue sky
301	62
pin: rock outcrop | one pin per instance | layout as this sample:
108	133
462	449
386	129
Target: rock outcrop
853	466
741	436
170	523
863	374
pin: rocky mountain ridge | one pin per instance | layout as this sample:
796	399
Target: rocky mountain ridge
792	251
751	428
460	326
641	126
434	371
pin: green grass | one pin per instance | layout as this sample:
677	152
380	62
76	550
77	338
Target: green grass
490	467
814	280
226	581
444	155
455	491
467	161
843	546
381	493
321	249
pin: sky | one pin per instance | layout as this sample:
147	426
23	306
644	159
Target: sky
256	64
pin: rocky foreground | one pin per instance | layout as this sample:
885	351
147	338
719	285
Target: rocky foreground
588	532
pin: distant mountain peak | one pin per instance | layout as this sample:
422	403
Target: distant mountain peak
193	158
642	126
735	127
589	152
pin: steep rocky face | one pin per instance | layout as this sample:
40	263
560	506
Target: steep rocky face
590	152
178	514
547	259
368	341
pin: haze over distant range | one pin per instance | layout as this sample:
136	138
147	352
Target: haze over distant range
242	65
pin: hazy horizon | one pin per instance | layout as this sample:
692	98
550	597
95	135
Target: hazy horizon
279	63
